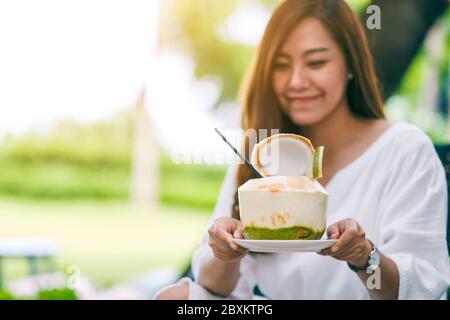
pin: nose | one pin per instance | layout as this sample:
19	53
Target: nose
299	79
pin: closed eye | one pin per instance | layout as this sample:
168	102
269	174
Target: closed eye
316	63
280	66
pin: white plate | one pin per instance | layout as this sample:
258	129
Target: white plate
285	245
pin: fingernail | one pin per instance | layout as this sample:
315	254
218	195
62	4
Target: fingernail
334	249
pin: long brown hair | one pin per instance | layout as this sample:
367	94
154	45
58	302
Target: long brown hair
261	109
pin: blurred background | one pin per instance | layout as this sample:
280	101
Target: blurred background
101	101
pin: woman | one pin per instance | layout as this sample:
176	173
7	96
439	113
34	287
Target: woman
313	75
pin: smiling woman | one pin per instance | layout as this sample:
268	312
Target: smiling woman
318	75
313	75
313	70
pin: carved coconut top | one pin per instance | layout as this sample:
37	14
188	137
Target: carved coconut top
287	155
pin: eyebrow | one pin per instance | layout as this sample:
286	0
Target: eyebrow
307	52
310	51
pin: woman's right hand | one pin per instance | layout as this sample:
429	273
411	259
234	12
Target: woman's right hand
221	235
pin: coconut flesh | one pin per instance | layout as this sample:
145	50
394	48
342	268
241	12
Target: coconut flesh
287	203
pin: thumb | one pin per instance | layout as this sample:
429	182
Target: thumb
333	232
237	234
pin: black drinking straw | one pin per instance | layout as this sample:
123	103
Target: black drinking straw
255	172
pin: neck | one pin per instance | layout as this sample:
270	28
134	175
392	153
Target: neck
336	131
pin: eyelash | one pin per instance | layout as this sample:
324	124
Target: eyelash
280	65
316	63
311	64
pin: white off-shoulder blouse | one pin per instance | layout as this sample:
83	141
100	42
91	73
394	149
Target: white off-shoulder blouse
396	190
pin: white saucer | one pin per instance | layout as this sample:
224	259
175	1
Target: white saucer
285	245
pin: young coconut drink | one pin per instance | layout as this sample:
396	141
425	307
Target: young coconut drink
288	203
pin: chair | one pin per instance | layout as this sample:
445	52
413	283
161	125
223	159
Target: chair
443	150
30	249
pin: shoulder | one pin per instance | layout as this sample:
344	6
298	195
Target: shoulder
410	150
409	133
406	139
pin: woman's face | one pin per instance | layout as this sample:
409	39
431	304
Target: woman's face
310	74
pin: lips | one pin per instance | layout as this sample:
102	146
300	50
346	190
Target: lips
303	100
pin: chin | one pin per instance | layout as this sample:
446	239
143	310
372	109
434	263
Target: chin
305	119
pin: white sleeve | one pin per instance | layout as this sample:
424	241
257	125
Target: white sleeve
246	282
414	220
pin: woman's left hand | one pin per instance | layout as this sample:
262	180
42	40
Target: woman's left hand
351	245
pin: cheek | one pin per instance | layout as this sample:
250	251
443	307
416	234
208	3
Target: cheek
278	80
331	81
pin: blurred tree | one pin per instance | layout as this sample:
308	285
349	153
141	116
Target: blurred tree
195	27
405	23
145	166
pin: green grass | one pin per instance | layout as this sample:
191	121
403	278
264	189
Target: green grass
93	162
109	241
51	294
61	180
196	186
190	185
